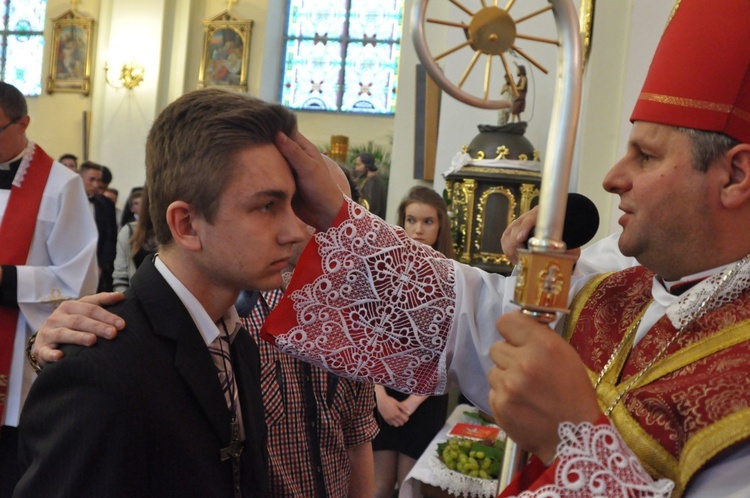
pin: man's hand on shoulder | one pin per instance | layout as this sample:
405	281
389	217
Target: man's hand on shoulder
77	322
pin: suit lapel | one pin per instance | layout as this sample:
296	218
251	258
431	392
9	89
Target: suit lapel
171	320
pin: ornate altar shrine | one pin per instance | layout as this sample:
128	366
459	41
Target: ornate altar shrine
494	180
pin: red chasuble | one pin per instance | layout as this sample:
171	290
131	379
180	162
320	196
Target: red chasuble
692	403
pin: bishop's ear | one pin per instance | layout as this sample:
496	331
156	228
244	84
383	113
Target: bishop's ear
737	192
181	220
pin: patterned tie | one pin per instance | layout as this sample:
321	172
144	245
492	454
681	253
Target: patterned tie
220	353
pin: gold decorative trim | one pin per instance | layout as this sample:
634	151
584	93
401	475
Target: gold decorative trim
655	459
683	102
742	114
529	192
484	256
503	171
725	338
586	18
709	442
576	306
468	188
674	10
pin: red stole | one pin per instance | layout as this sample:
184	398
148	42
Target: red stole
16	234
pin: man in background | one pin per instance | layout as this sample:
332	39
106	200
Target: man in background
105	180
113	194
372	191
47	255
102	211
69	161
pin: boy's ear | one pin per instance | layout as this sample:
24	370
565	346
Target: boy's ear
181	220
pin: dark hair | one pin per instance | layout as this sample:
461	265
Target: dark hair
12	101
89	165
350	179
68	156
424	195
368	160
193	144
707	146
113	190
106	175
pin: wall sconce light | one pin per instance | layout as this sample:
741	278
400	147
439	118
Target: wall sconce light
131	75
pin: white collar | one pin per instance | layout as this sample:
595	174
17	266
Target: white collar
720	285
208	329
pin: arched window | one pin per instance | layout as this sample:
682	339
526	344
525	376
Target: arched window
342	55
23	44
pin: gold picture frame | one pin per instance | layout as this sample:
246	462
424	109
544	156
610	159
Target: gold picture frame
70	57
226	52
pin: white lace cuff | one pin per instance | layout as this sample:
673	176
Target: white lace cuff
371	304
594	461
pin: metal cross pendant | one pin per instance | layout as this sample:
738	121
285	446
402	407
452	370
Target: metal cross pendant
233	452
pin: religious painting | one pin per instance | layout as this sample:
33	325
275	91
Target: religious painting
70	58
226	52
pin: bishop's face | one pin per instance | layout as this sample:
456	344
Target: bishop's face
667	203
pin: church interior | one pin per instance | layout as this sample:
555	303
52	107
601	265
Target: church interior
166	38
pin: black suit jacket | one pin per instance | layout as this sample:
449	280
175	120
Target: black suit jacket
143	414
105	217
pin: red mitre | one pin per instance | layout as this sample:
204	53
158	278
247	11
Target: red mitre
700	75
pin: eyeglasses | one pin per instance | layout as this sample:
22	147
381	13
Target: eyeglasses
5	127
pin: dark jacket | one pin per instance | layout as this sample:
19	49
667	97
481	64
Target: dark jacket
105	218
143	414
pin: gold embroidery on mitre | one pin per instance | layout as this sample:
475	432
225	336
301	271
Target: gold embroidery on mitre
742	114
3	380
683	102
674	10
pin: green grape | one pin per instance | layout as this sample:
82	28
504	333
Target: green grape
471	458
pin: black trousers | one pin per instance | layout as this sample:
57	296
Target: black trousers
10	468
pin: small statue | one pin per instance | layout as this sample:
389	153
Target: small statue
519	103
506	93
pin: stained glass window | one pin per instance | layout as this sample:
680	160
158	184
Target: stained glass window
342	55
22	41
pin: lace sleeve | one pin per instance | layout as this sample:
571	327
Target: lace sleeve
368	303
594	461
